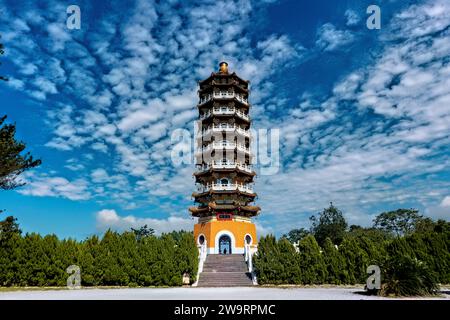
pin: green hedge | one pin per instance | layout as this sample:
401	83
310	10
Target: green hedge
277	262
115	260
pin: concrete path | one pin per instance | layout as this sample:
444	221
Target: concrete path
236	293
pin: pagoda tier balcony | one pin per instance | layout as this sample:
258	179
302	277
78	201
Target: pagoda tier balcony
218	165
224	111
225	187
224	146
219	95
225	128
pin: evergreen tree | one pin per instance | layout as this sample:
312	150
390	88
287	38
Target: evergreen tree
289	258
374	234
295	235
186	254
12	162
11	259
8	227
90	275
267	263
143	232
312	263
399	222
356	261
330	224
335	263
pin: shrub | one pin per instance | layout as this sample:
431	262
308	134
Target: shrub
406	276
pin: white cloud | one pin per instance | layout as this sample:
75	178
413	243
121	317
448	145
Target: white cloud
15	83
329	38
142	116
99	146
100	175
446	202
109	219
352	17
441	211
41	186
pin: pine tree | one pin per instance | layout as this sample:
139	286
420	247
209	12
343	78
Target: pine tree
335	263
312	262
267	263
330	223
356	261
186	254
399	222
90	275
289	260
12	162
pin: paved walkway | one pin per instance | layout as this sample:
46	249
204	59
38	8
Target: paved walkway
245	293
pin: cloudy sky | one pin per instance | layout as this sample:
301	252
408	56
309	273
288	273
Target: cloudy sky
364	115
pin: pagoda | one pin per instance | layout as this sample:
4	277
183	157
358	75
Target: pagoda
224	174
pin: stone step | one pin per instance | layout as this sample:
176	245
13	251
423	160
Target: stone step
225	256
242	278
224	279
225	265
224	271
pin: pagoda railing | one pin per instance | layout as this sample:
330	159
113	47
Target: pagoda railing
225	187
225	111
223	95
226	128
221	165
224	146
202	254
248	255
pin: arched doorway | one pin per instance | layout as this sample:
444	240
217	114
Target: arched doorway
225	244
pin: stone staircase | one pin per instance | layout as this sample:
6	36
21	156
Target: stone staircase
225	270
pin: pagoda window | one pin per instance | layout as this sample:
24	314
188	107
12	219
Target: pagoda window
224	181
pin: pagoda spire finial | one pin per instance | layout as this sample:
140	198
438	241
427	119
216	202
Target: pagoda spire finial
223	67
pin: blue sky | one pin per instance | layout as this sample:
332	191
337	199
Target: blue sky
364	115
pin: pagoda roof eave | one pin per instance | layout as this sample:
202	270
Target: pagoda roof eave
213	74
211	170
212	205
246	105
